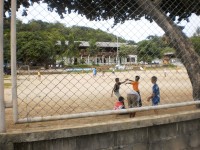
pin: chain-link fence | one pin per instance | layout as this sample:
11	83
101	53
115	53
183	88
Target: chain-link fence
68	65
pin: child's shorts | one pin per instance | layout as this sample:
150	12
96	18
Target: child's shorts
132	100
117	94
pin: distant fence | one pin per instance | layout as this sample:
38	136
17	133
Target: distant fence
67	87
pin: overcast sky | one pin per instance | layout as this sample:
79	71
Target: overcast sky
130	30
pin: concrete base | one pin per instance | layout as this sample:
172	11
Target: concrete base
166	132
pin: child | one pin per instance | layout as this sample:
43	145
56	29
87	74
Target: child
113	70
155	97
135	85
39	75
103	72
119	104
165	72
133	99
116	87
94	72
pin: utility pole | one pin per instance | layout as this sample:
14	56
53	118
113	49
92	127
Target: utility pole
118	61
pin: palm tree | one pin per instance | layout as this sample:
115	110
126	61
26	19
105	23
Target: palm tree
93	48
72	49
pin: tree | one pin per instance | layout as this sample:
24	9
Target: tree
7	48
93	48
151	48
72	49
54	32
34	47
197	32
61	47
6	40
126	50
196	42
163	12
167	50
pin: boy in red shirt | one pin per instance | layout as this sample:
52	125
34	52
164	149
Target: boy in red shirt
119	104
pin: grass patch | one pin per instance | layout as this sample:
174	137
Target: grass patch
6	76
7	85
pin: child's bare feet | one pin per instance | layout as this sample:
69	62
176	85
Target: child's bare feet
131	115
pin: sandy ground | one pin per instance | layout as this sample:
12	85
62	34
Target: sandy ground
73	93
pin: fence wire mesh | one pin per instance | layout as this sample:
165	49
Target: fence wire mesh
57	57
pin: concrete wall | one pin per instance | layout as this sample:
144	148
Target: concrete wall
179	131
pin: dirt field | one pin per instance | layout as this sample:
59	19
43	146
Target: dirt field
74	93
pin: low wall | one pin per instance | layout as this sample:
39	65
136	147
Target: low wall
180	131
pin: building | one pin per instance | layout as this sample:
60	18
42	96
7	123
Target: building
170	58
107	54
167	57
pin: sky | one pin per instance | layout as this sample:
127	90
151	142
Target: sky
130	30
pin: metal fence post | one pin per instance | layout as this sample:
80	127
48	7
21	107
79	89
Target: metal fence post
2	105
13	59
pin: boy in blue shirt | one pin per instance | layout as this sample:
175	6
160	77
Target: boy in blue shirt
155	96
94	72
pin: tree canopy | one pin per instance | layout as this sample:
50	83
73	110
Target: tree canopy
120	10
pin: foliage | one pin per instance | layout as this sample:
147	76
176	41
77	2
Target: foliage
196	40
83	33
72	48
37	41
120	10
92	49
196	43
6	47
33	47
197	33
126	50
95	10
167	50
152	48
7	85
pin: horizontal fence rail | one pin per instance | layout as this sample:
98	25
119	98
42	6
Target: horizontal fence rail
107	112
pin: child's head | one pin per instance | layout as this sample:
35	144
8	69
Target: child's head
116	79
121	99
137	78
153	79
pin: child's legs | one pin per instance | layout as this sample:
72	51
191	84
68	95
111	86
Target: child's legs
132	115
140	100
155	110
133	99
130	103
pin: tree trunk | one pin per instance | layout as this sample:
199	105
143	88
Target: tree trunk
180	42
